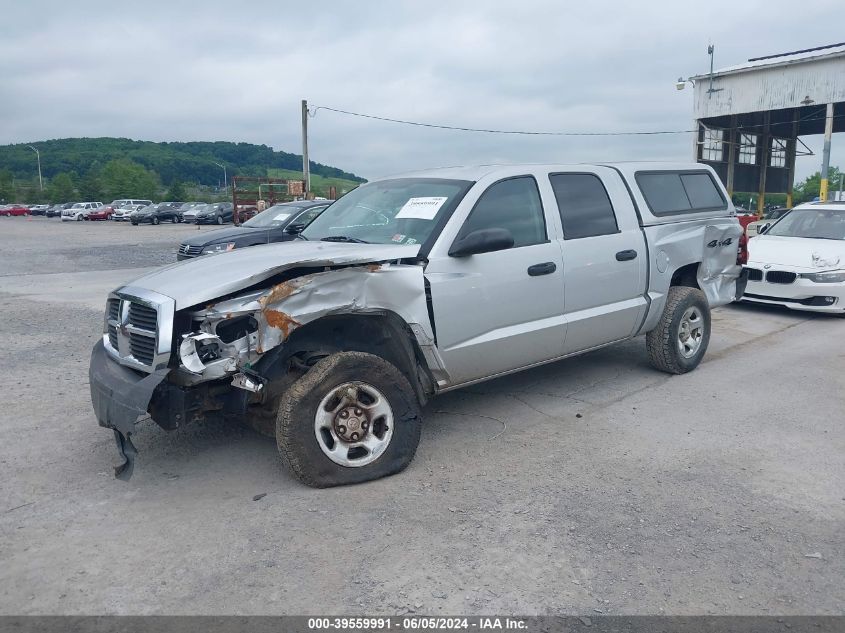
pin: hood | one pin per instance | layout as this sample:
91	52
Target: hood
797	252
200	279
233	233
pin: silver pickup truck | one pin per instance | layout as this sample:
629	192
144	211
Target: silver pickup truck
411	286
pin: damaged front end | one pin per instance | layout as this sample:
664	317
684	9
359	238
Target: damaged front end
181	365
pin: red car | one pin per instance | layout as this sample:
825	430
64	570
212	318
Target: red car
742	252
102	213
14	209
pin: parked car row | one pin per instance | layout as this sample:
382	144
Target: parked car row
129	210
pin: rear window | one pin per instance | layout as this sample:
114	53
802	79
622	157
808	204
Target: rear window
668	193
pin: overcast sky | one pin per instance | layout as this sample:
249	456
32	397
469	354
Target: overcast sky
180	71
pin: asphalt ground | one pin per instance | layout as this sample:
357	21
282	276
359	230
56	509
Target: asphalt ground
591	485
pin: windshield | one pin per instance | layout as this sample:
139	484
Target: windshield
402	211
819	223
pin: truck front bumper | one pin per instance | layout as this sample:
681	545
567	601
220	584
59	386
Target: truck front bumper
120	396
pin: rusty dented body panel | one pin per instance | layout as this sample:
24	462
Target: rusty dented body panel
286	306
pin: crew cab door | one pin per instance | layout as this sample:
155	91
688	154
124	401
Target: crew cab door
502	310
604	257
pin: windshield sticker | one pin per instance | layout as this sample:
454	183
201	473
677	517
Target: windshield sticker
397	238
422	208
282	216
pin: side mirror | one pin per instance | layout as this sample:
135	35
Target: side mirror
294	229
763	229
482	241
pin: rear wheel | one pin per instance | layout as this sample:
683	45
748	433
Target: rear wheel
173	220
680	340
79	218
352	418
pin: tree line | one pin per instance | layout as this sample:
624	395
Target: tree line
99	168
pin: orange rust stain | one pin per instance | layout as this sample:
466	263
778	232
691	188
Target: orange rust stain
281	321
374	267
277	293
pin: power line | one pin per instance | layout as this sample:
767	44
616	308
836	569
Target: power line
313	112
491	131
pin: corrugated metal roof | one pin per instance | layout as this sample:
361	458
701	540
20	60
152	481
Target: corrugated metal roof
784	59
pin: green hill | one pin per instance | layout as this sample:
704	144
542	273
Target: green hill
191	162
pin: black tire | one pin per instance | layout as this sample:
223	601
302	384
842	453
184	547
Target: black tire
155	220
79	218
220	219
295	434
662	342
173	220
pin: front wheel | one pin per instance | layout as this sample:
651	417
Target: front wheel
219	219
682	335
352	418
156	221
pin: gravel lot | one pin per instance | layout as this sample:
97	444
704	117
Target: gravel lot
590	485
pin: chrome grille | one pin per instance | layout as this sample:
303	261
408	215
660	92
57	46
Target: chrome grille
113	336
780	277
113	311
114	308
139	326
142	347
189	251
143	317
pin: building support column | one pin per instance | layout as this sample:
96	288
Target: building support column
791	151
828	133
765	150
731	156
696	142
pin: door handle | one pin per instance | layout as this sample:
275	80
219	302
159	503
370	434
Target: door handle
624	256
546	268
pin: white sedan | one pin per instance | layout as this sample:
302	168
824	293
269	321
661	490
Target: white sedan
799	261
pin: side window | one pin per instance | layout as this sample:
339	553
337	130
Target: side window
584	206
668	193
664	193
702	192
512	204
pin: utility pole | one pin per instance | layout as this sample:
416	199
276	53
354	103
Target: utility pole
306	173
225	182
38	158
828	133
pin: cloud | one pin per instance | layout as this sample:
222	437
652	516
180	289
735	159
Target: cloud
221	71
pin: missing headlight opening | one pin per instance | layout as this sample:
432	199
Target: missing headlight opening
233	329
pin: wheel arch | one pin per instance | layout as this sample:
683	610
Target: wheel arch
382	333
686	275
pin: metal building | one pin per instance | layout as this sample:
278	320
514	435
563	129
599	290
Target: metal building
749	117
